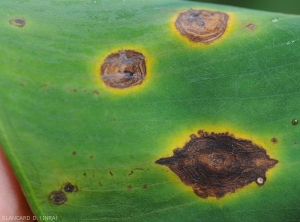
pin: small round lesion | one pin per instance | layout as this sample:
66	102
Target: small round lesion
251	26
274	140
202	25
124	69
57	197
68	187
19	22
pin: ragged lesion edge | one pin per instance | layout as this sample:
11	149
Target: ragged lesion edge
179	139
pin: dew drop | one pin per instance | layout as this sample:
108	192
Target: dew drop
260	180
274	19
294	122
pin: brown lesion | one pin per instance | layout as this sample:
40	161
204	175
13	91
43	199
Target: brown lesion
202	25
250	26
124	69
217	163
57	197
19	22
274	140
95	92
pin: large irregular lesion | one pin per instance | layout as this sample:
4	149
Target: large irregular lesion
217	163
202	25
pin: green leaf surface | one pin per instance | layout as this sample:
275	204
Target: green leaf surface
60	124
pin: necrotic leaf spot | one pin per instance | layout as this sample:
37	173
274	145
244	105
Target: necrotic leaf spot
19	22
124	69
68	187
202	25
274	140
217	163
57	197
251	26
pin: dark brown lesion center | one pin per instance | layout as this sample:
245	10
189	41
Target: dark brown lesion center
57	197
19	22
124	69
68	187
217	163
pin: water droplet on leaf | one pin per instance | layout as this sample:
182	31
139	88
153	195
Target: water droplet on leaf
294	122
260	181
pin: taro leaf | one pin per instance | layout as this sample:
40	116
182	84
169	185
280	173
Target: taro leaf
86	151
